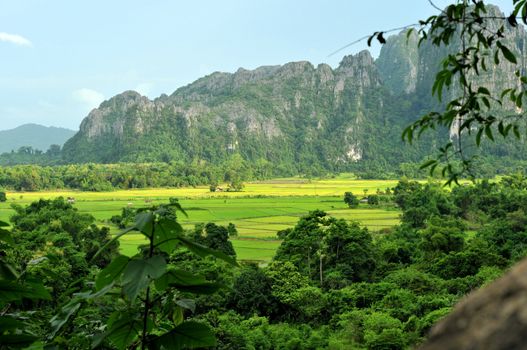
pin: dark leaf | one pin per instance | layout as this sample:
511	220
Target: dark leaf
188	335
11	341
144	222
7	271
63	316
381	39
123	329
507	53
5	236
166	235
203	251
138	273
9	323
13	291
488	132
111	272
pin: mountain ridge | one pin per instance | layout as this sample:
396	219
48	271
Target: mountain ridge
295	116
33	135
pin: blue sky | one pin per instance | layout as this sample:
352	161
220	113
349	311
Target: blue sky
60	59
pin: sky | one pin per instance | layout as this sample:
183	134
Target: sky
61	59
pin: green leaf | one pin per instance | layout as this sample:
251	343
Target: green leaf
3	224
90	295
488	132
13	291
507	53
144	222
10	341
175	203
188	304
203	251
428	163
111	272
478	136
186	282
123	330
516	131
5	236
483	90
166	235
188	335
63	316
138	273
7	271
115	238
8	323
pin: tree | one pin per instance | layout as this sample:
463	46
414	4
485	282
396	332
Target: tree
474	110
351	200
148	310
3	196
373	199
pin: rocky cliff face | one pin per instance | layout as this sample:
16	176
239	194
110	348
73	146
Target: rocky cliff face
294	112
290	115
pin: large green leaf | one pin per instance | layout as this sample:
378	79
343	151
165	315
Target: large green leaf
203	251
188	335
8	323
144	222
186	282
13	291
115	238
5	236
111	272
7	271
166	235
17	341
63	316
123	329
91	295
138	273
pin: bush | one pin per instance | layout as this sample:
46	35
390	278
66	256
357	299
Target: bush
351	200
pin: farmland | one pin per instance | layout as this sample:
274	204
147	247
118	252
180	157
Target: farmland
258	212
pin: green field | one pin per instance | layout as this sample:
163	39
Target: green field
258	212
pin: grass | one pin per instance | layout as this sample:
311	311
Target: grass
262	209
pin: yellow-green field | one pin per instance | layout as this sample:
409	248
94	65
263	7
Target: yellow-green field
258	212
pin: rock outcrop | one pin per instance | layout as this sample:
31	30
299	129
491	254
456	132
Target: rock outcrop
492	318
296	116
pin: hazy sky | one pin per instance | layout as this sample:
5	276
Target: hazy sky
60	59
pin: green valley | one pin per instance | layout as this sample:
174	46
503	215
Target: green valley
259	212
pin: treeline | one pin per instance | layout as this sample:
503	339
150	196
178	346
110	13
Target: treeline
30	155
106	177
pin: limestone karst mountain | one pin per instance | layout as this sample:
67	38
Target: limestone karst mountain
296	116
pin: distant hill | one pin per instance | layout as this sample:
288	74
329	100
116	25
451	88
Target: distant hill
34	135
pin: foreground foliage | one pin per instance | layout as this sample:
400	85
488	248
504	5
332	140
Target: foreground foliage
332	283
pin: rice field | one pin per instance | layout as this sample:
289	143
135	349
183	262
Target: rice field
259	212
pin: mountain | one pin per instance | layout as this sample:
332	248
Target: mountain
297	116
33	135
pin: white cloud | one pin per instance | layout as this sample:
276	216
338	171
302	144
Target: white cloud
89	97
15	39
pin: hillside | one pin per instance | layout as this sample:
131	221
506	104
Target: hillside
299	117
33	135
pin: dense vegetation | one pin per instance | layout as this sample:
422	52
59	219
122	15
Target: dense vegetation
106	177
332	283
235	171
